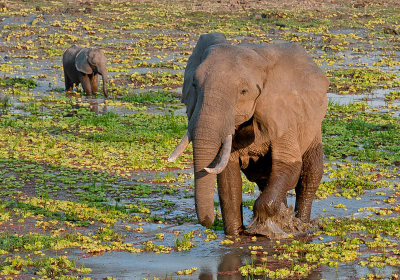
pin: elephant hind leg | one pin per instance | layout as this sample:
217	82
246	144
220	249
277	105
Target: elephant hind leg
310	177
68	83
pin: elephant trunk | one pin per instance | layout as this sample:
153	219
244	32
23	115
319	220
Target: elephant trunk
103	73
204	155
208	132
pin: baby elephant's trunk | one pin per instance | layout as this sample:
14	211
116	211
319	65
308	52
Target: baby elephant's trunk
103	73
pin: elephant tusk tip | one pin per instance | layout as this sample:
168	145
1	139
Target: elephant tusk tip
171	159
180	148
212	170
208	170
226	151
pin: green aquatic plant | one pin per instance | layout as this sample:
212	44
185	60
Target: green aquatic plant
17	83
360	80
185	242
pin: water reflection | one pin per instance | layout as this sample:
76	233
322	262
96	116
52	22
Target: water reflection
229	265
96	108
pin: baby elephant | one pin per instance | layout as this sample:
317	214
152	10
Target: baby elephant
83	65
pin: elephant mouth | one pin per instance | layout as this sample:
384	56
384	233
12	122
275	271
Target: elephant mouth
224	158
240	119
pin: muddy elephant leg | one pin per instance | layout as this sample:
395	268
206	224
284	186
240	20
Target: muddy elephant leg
86	84
284	177
263	184
310	177
68	83
95	83
285	172
230	197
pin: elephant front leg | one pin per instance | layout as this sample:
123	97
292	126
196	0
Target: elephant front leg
271	217
86	84
310	177
95	83
230	197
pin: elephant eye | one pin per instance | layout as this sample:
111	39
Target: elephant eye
194	85
244	91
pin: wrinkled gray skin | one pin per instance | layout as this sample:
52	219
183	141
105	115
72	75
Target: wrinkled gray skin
272	99
83	66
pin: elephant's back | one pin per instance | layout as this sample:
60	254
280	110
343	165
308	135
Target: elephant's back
70	53
69	63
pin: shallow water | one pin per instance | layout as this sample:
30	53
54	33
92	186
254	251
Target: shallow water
212	259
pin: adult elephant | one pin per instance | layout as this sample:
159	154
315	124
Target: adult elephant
83	66
255	108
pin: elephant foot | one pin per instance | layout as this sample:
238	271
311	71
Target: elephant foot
279	226
235	232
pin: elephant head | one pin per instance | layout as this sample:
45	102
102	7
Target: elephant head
92	61
274	87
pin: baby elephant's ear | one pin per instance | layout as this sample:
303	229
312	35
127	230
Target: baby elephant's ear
294	93
81	61
96	58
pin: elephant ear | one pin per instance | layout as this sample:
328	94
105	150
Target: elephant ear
189	96
96	57
293	95
82	63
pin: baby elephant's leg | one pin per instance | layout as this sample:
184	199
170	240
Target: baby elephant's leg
86	84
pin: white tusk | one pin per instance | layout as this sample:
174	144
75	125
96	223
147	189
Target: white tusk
180	148
226	153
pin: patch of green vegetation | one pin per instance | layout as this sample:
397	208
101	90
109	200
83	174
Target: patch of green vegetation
365	136
164	79
54	268
360	80
161	64
4	104
36	210
217	225
149	246
185	242
249	203
98	138
393	95
17	83
158	98
353	179
301	257
184	219
247	186
54	52
68	210
29	243
109	119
